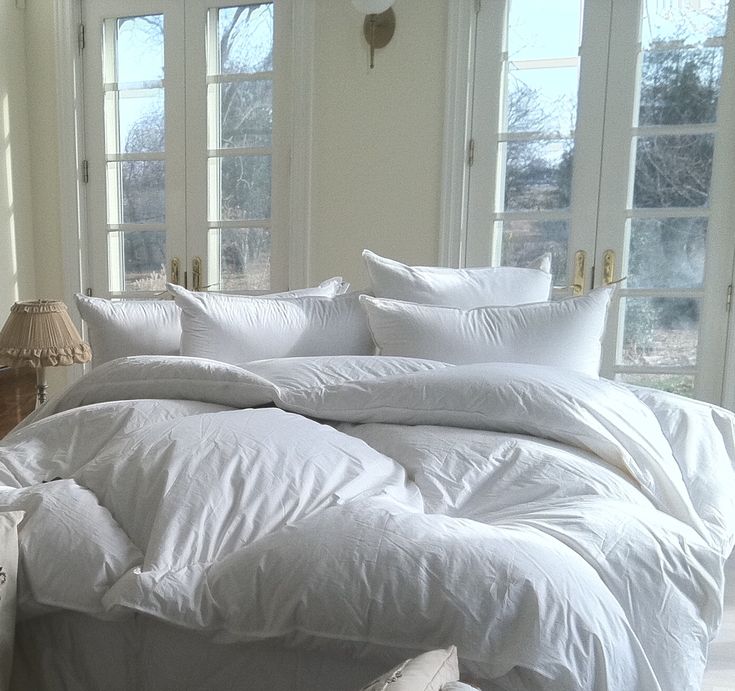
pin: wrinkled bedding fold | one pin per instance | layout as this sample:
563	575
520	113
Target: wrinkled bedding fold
564	532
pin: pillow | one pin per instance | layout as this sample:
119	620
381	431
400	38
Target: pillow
8	580
427	672
465	288
120	328
242	329
567	333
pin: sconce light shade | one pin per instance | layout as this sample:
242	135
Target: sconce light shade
372	6
41	334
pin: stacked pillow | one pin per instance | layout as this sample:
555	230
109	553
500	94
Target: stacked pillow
487	314
242	329
120	328
466	288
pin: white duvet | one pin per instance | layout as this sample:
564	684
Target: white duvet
564	532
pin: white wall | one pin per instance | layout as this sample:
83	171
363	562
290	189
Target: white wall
43	120
17	276
377	138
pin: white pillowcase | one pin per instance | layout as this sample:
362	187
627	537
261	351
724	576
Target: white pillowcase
465	288
121	328
242	329
567	333
427	672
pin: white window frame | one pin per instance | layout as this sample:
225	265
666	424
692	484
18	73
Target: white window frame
297	77
454	251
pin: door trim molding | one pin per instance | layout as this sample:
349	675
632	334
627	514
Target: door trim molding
461	24
70	134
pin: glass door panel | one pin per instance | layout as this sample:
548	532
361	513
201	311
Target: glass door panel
663	241
134	133
239	142
534	131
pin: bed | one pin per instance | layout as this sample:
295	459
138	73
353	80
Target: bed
216	520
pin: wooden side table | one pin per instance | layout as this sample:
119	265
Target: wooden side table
17	396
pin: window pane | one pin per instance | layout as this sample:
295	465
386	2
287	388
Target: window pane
139	186
667	253
139	116
244	256
680	87
538	174
543	29
244	184
245	111
660	331
245	39
673	170
683	384
542	100
140	48
140	256
689	22
524	241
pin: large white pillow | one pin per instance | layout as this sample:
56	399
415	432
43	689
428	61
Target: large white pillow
465	288
567	333
243	329
121	328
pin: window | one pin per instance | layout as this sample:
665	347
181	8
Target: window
601	131
181	107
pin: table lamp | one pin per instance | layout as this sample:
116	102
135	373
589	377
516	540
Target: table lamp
41	334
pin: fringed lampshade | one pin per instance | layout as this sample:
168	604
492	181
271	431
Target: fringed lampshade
41	334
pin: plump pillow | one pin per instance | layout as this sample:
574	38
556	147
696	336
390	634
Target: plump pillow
241	329
465	288
427	672
121	328
8	580
567	333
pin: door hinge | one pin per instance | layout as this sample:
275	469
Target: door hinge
80	37
478	6
728	302
471	152
85	171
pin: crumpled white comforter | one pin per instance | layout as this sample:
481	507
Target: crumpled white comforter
564	532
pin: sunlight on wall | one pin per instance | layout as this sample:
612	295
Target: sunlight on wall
8	227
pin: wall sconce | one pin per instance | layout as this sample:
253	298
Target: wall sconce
379	25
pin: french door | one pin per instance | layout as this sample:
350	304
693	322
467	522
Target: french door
604	133
181	117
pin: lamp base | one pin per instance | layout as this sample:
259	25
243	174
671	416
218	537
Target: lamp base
41	386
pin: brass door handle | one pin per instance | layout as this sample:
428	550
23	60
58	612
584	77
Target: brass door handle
580	257
175	266
608	268
196	273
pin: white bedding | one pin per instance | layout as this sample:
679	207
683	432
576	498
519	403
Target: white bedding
563	532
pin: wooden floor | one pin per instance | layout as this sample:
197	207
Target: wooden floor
720	674
17	397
